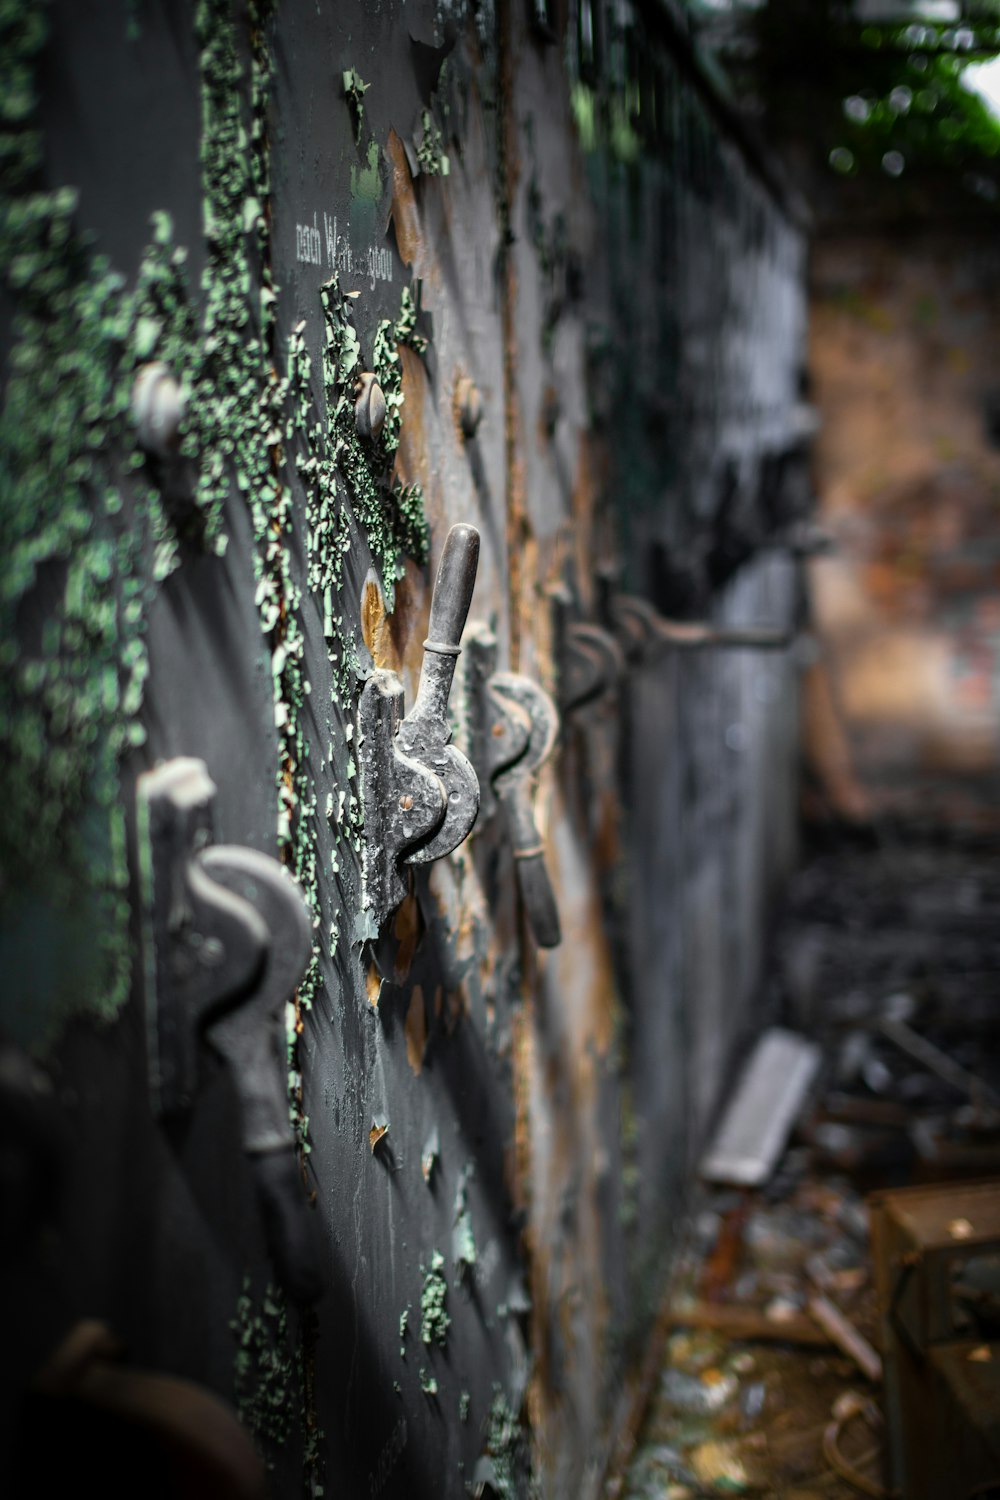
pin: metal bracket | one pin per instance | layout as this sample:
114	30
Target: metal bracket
641	631
421	795
202	946
227	937
425	733
515	725
634	622
590	660
404	802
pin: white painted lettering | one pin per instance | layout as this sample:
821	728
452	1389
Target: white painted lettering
378	1478
333	248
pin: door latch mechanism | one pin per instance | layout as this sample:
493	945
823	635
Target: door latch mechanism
420	793
642	631
514	729
590	661
227	938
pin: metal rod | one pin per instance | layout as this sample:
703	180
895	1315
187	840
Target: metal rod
686	635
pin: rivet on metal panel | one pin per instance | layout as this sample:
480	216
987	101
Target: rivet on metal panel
514	728
369	407
469	405
158	405
227	937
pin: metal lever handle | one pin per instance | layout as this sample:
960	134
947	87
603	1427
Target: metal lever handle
450	601
695	635
592	664
228	937
251	1038
590	661
514	726
425	734
203	946
515	788
404	801
539	899
640	628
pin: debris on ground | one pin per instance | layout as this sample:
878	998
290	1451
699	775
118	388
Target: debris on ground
888	963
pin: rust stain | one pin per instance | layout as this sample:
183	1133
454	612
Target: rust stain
414	461
606	844
376	627
403	208
589	483
457	1008
373	985
548	409
408	621
416	1030
523	1050
602	987
408	929
538	1397
517	519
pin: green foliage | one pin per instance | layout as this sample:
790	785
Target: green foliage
873	99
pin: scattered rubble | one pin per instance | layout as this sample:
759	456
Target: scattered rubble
889	961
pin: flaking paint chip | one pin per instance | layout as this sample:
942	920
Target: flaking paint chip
430	1154
380	1127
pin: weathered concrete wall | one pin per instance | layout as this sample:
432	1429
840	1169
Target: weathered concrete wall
554	208
903	355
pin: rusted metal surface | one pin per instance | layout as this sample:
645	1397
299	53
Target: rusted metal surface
497	1130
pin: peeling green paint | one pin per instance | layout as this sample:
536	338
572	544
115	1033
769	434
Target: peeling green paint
428	1384
76	584
463	1240
507	1450
366	182
265	1373
431	155
349	481
434	1318
85	535
355	90
430	1156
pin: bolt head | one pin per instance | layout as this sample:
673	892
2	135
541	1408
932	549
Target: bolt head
369	408
158	406
470	405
